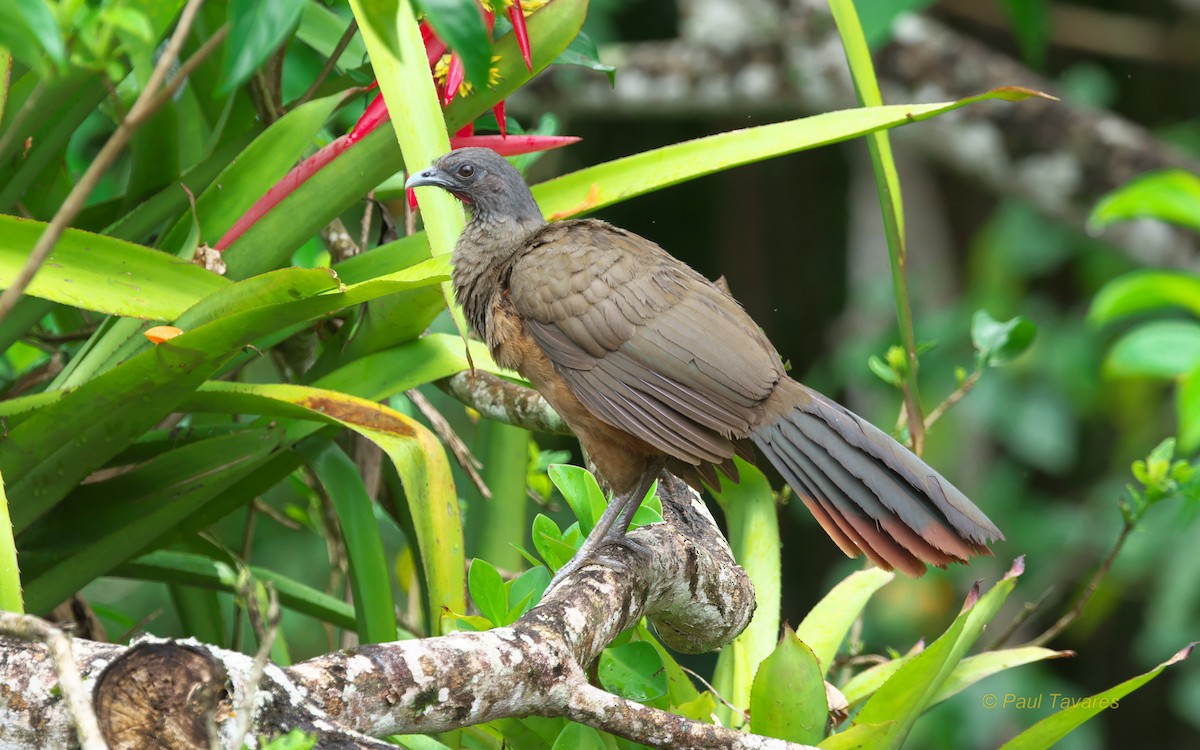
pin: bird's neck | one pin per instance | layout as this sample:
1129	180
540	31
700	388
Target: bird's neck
482	259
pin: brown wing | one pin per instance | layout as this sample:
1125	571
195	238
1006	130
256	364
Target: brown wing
645	342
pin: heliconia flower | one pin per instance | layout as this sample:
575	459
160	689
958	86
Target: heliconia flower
517	11
449	74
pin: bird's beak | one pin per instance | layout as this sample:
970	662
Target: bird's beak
430	177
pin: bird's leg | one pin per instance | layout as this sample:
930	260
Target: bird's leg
613	522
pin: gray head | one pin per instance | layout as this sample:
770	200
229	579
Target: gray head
483	180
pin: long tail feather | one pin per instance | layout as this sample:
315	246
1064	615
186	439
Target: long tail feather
868	492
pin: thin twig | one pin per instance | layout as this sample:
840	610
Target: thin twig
329	65
1094	584
78	698
1028	609
365	236
268	628
718	696
187	67
959	393
138	114
461	452
19	118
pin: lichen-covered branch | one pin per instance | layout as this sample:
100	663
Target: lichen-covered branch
164	694
504	401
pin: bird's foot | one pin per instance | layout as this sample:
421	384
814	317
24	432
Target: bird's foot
593	551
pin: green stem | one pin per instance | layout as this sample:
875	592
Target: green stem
887	183
10	573
502	521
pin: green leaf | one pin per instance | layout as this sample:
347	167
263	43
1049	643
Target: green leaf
547	539
1031	23
857	737
883	370
997	342
322	29
526	591
788	700
1171	195
967	673
650	511
259	167
418	742
459	24
582	51
103	524
98	273
579	737
906	695
256	29
1145	291
293	740
887	185
633	670
63	442
10	571
1187	412
753	523
370	578
605	184
487	591
580	490
1056	726
1159	349
975	668
185	568
825	626
423	468
31	33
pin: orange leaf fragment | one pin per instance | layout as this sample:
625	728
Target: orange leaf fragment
159	334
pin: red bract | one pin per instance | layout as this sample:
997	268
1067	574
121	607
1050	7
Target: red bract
517	16
375	113
454	78
514	145
501	122
434	47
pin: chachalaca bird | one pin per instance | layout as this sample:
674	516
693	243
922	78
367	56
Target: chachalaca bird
654	366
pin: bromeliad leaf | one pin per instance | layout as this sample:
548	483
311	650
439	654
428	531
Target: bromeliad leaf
788	700
105	275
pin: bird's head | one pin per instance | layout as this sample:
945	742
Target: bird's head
485	181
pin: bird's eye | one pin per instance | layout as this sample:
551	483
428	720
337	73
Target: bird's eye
466	171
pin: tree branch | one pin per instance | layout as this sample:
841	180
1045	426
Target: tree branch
504	401
679	574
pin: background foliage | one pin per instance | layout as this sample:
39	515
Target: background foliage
170	484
